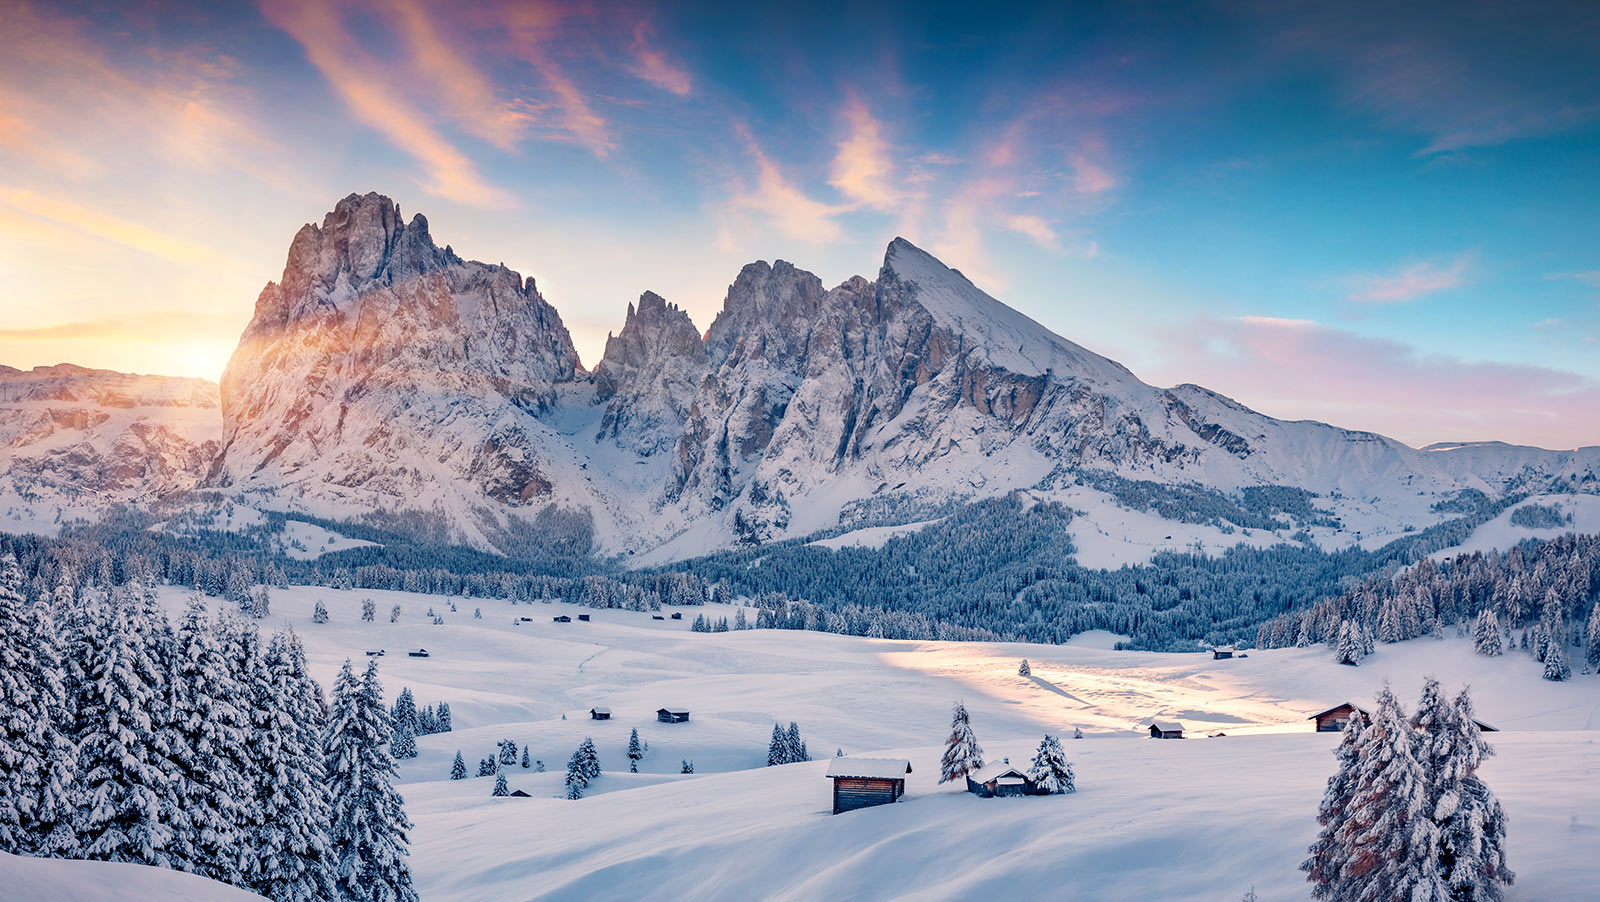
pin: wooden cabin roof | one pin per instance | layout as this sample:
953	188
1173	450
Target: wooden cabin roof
1167	726
995	772
870	768
673	710
599	710
1351	705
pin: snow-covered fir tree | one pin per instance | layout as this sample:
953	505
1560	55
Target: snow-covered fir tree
29	726
687	767
1486	634
1326	869
210	712
635	752
795	747
394	614
406	726
1556	667
458	770
590	759
577	781
1591	639
1051	772
319	614
500	786
260	604
49	823
527	761
367	823
962	754
1469	827
777	749
126	803
1351	648
1024	670
487	767
291	859
442	717
369	610
508	751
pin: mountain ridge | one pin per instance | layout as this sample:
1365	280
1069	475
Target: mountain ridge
385	375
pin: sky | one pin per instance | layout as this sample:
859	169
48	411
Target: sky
1385	215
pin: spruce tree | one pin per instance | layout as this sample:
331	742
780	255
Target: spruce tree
1591	639
526	760
290	859
29	729
687	768
487	766
500	786
1326	868
777	748
1472	823
1486	635
794	745
211	724
442	716
577	776
508	751
368	825
1390	840
1556	667
635	753
1051	772
962	754
590	758
1024	670
369	610
458	770
1351	644
319	614
49	825
127	807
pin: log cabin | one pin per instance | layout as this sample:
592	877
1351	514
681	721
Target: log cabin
599	713
672	715
1221	652
1000	779
865	782
1334	719
1166	729
561	618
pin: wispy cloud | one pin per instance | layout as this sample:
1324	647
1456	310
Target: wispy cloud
1410	281
1034	227
532	28
652	65
466	94
1299	368
367	87
863	168
785	207
99	224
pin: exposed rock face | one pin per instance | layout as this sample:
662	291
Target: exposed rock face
649	376
73	438
385	372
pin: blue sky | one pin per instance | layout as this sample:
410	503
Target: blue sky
1381	215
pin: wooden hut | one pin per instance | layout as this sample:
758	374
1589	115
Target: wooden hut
672	715
865	782
519	794
1334	719
584	617
561	618
419	653
677	615
599	713
1222	651
1166	729
1000	779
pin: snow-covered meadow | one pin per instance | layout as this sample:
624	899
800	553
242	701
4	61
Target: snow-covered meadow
1205	818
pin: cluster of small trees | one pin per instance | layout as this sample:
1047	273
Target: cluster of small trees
582	769
703	624
200	749
1050	770
786	747
1405	816
1543	595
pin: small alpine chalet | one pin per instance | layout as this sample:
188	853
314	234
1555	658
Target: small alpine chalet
599	713
672	715
1002	779
1334	719
866	782
1166	729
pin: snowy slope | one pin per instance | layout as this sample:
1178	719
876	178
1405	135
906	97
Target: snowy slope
55	880
1583	512
1205	818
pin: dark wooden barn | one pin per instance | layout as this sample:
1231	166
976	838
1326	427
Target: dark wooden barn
519	794
1000	779
1166	729
865	782
677	615
419	653
1222	651
1334	719
561	618
599	713
583	617
672	715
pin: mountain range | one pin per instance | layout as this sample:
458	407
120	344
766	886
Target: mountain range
386	378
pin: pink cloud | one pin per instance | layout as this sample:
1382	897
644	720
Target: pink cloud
367	87
1301	369
651	64
466	95
862	168
1409	282
784	206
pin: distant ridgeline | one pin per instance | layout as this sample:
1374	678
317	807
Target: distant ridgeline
1000	568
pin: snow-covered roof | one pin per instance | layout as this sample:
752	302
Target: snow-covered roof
1167	726
996	771
598	709
675	710
870	768
1229	648
1337	707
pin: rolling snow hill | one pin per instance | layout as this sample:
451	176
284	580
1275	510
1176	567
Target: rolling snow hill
1205	818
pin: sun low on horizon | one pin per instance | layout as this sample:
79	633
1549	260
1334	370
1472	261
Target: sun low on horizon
1379	216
